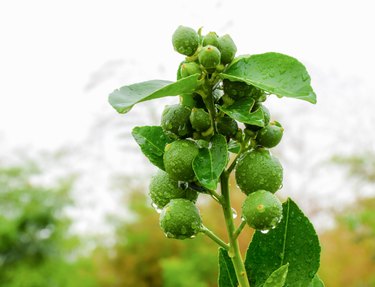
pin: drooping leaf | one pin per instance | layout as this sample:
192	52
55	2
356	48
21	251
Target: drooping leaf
293	241
277	277
275	73
210	162
126	97
240	110
152	141
316	282
227	274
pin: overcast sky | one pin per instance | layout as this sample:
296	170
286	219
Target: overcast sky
59	60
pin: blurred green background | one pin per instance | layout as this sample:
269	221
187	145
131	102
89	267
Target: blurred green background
38	249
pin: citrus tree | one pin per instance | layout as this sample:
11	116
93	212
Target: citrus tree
221	112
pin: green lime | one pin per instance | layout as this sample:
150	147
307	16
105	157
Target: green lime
227	126
200	119
262	210
185	40
209	57
270	135
178	159
257	170
175	119
227	48
180	219
163	188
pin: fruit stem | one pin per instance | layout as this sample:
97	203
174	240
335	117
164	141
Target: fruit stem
234	250
214	237
239	229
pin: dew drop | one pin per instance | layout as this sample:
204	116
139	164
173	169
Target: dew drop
157	208
234	213
193	236
265	231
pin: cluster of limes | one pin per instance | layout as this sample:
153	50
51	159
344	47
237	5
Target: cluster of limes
190	126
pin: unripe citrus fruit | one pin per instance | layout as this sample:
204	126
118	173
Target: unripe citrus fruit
211	39
209	57
180	219
227	126
190	68
175	119
237	90
163	188
257	170
185	40
178	159
200	120
262	210
270	135
227	48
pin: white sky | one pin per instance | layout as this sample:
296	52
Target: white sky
60	59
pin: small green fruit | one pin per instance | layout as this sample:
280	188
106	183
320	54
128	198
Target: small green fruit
227	48
227	126
200	120
257	170
190	68
209	57
163	189
237	90
175	119
262	210
178	159
180	219
211	39
185	40
270	135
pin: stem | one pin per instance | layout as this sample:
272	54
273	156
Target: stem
234	250
239	229
214	237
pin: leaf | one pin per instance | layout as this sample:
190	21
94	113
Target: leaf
293	241
241	111
210	162
227	274
277	277
234	146
152	141
275	73
316	282
126	97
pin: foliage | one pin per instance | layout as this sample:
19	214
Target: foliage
35	248
232	91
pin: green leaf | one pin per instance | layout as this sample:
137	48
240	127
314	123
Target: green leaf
210	162
241	111
275	73
125	98
234	146
152	141
293	241
227	274
316	282
277	277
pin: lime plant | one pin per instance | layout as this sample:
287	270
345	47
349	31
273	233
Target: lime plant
221	125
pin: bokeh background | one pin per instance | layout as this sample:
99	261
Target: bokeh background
73	183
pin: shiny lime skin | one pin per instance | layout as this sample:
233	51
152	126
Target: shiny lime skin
185	40
163	189
257	170
262	210
175	119
178	159
180	219
209	57
271	135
